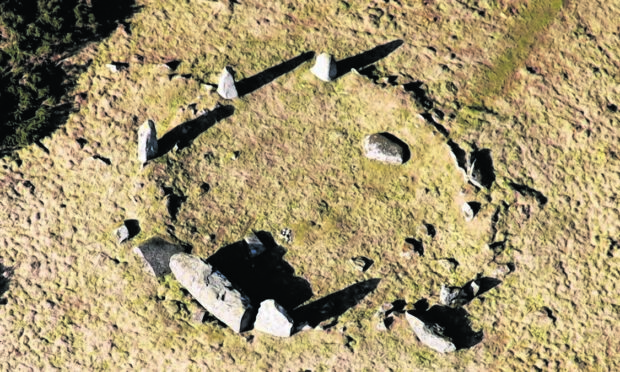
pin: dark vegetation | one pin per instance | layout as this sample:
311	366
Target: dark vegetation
35	37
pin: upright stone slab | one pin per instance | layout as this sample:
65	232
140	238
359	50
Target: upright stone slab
273	319
156	253
429	336
213	291
325	67
226	87
147	141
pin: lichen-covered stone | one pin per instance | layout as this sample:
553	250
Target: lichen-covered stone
156	253
430	336
226	87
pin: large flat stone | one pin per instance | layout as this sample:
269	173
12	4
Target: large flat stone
213	291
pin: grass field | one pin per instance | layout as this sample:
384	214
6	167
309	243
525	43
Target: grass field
535	82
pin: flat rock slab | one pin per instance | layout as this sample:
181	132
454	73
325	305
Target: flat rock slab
273	319
156	253
386	148
213	291
430	336
147	141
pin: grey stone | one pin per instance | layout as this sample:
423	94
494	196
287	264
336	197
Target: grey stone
255	246
287	235
226	87
325	67
122	234
147	141
213	291
447	295
468	212
156	253
430	335
273	319
361	263
385	148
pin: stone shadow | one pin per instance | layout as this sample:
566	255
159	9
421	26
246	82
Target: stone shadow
182	135
482	164
400	143
333	305
366	58
262	275
5	278
249	85
445	321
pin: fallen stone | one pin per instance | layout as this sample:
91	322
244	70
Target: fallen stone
147	141
430	334
273	319
213	291
325	67
386	148
156	254
361	263
226	87
449	264
122	234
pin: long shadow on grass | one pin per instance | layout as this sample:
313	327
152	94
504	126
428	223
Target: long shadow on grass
366	58
333	305
183	134
5	275
34	80
249	85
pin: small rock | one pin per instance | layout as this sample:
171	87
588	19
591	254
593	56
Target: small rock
431	335
448	295
325	67
255	246
449	264
147	141
428	230
213	291
470	209
386	148
503	270
122	234
117	66
273	319
226	87
198	316
287	235
156	253
362	263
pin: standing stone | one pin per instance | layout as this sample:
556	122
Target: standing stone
273	319
430	335
156	253
226	87
213	291
325	67
255	246
147	141
385	148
